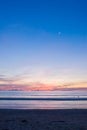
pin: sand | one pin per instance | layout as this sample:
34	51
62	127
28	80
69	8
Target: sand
70	119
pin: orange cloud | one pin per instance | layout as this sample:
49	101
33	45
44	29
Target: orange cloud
16	83
37	86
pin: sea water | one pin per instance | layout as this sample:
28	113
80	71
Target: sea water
24	100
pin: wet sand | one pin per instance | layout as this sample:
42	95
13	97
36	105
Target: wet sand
70	119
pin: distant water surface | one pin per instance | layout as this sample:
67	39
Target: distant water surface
43	104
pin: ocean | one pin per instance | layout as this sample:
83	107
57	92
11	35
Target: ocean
43	100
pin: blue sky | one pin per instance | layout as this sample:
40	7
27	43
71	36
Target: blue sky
43	40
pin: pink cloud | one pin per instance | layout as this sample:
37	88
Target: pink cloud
37	86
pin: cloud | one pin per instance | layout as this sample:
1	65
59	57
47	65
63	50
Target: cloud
76	85
28	87
73	86
6	87
1	75
16	83
5	79
37	86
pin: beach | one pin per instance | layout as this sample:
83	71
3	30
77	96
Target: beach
40	119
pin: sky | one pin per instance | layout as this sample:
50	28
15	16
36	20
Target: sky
43	44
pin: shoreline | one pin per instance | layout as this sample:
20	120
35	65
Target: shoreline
40	119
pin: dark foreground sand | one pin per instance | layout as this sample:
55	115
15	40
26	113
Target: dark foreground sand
72	119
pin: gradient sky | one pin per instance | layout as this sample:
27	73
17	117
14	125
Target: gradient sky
43	42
